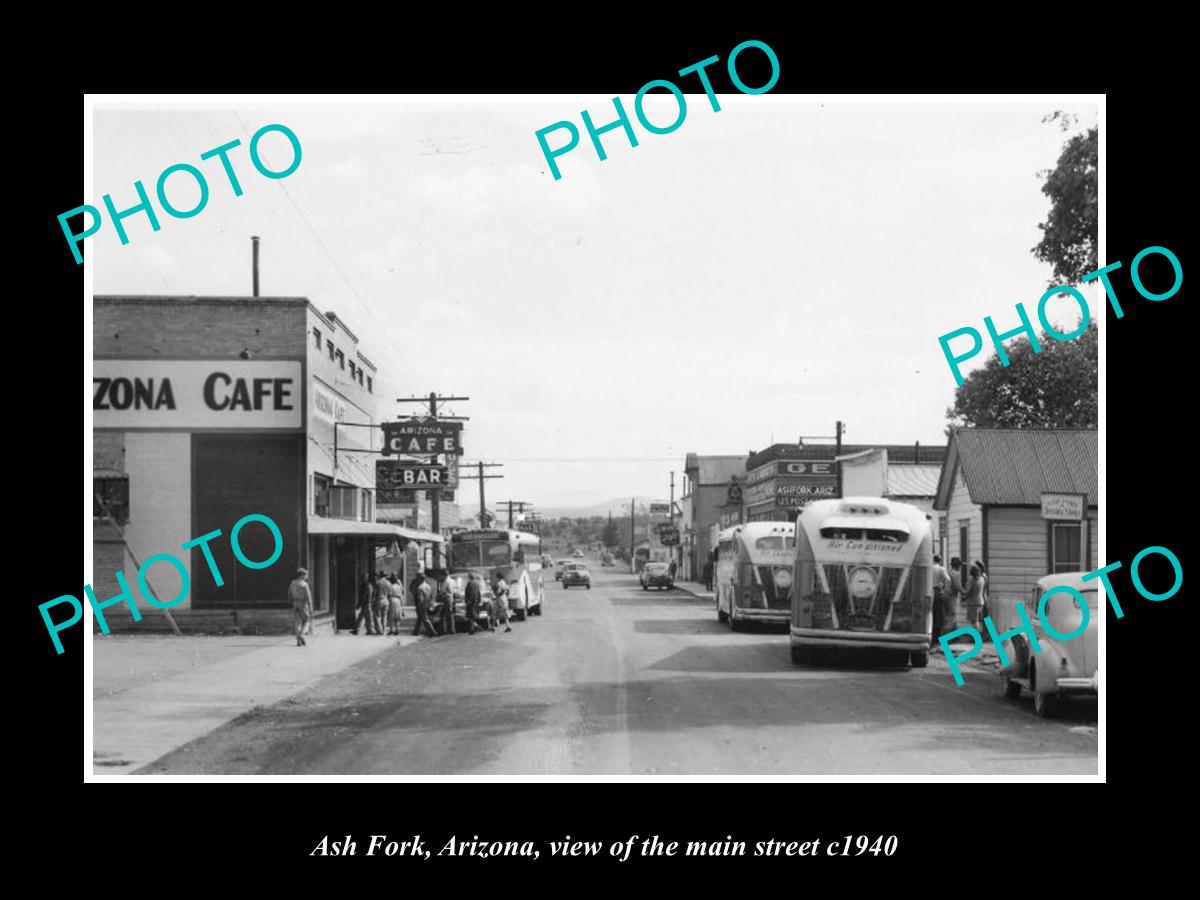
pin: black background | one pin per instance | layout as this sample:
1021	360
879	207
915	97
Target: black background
951	834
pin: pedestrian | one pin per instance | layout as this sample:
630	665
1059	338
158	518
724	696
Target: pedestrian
395	605
301	598
473	599
672	569
941	588
366	605
973	596
500	599
379	605
983	594
950	616
445	601
422	600
708	574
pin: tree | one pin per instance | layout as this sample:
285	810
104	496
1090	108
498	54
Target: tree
1057	388
1069	234
610	536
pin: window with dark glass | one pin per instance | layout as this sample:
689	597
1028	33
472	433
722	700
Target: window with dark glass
370	390
111	494
317	337
1065	546
341	359
329	347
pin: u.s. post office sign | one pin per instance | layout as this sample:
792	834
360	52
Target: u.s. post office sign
163	394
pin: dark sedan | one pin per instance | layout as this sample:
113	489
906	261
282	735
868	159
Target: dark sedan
656	575
577	573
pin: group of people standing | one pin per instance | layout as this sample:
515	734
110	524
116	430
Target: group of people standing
968	583
380	603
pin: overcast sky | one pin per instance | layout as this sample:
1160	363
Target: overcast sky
755	275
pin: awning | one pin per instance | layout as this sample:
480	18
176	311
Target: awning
323	525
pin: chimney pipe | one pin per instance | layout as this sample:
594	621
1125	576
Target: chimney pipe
254	243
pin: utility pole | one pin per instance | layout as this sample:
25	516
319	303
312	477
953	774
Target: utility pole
839	453
254	260
482	502
436	493
520	504
632	529
671	510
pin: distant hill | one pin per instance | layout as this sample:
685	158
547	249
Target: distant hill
618	507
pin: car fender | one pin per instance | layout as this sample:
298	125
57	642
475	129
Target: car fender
1047	663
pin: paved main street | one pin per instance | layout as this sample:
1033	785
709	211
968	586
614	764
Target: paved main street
616	680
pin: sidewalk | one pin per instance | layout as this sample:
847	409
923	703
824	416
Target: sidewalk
153	693
696	589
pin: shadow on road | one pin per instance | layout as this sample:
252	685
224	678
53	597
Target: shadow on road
679	626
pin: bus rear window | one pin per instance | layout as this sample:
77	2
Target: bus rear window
775	542
883	535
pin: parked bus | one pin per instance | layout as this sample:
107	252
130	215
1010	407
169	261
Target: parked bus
724	570
862	579
757	579
514	554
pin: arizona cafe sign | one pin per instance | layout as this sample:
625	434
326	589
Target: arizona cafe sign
159	395
422	437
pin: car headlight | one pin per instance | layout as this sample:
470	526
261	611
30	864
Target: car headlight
862	583
783	579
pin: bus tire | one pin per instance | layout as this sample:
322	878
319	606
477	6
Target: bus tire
800	656
521	615
722	616
919	659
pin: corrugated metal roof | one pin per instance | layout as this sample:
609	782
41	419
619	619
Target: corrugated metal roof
1015	465
912	481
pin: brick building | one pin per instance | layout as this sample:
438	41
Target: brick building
206	409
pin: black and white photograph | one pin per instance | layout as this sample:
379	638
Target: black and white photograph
708	433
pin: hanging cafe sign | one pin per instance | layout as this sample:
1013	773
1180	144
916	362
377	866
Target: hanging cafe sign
422	437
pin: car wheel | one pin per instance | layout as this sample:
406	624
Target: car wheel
1012	689
919	659
589	587
644	588
1045	705
800	656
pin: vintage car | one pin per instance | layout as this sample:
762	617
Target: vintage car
558	568
656	574
607	560
577	573
458	584
1066	664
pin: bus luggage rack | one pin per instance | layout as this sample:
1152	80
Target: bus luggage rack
865	613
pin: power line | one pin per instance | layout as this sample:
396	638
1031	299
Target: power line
337	267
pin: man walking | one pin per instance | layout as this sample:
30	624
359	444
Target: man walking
366	604
708	573
422	599
301	598
473	599
445	601
379	604
941	587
